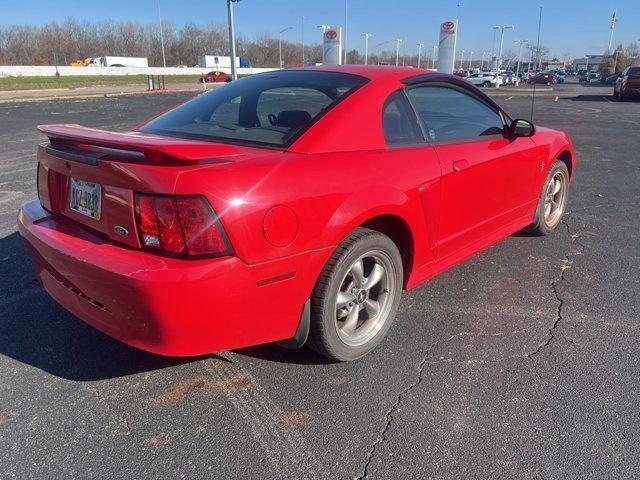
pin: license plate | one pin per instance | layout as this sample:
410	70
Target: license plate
86	198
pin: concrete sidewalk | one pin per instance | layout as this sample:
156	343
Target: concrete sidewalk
95	91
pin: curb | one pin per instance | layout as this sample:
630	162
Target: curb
93	95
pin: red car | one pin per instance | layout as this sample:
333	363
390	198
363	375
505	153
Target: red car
288	206
544	79
627	84
215	76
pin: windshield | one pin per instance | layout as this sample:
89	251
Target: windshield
270	109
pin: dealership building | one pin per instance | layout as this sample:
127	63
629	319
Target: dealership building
592	62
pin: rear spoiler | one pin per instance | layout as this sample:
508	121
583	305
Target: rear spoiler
153	148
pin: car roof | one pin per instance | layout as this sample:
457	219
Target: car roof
372	72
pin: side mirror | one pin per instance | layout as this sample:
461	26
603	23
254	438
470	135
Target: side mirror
521	128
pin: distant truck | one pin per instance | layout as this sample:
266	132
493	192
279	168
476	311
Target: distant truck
106	61
217	61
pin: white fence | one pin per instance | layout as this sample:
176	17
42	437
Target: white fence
46	71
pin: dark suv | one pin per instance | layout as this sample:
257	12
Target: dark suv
627	84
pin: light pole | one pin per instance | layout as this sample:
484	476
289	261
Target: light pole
302	37
164	61
502	28
482	61
366	36
470	57
420	45
493	47
232	39
280	65
398	41
379	47
344	40
522	43
461	60
433	58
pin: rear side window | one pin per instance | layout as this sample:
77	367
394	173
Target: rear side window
634	71
399	122
270	109
450	114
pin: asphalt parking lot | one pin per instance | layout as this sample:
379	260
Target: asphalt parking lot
521	363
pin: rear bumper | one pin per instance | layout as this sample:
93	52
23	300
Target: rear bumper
164	305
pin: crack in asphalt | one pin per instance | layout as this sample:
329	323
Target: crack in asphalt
566	265
388	417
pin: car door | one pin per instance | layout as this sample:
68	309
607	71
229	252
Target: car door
487	179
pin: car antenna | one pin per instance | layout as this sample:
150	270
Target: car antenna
533	95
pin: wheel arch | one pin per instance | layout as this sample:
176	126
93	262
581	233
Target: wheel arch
566	157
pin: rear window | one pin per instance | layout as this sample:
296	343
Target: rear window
634	71
270	109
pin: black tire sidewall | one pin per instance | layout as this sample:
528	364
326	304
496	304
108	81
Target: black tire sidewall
539	226
325	337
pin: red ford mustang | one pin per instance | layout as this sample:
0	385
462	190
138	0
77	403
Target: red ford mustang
291	206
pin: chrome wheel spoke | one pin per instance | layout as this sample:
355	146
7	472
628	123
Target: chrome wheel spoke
351	321
375	276
357	272
556	186
372	307
547	210
344	298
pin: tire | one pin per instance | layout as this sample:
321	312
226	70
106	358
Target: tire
486	84
350	330
545	223
615	94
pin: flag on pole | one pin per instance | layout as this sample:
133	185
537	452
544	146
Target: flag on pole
614	20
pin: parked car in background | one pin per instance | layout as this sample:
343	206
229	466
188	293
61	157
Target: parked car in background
583	77
293	206
560	75
215	77
627	84
485	79
611	79
543	79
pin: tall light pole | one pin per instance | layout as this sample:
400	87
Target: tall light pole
164	60
398	41
302	37
502	28
470	57
379	47
522	43
232	39
366	36
482	62
461	60
280	65
344	39
420	45
433	58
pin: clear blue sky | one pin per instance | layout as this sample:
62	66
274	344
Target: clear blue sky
574	27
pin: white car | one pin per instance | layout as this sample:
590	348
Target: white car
485	79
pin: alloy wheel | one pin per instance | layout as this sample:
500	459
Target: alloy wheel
555	198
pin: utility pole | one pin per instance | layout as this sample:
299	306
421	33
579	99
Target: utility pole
420	45
280	64
164	60
366	36
433	58
232	39
398	40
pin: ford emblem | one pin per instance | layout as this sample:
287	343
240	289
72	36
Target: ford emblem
120	230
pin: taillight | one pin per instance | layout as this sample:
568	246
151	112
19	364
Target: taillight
183	226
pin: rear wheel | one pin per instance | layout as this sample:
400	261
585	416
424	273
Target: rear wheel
486	84
553	200
356	297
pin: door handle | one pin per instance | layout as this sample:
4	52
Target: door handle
460	165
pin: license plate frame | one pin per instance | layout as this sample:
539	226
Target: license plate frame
85	198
